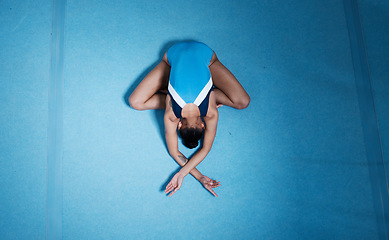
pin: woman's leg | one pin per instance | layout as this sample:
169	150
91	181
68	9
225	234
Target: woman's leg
228	89
145	95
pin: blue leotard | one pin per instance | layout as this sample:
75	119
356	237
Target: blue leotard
190	79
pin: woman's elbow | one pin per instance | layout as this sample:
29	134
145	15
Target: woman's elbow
173	153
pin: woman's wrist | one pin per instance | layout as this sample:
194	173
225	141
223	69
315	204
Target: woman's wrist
182	172
200	177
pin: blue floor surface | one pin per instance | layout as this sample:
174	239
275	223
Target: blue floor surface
292	165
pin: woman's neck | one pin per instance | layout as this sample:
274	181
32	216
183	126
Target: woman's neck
190	110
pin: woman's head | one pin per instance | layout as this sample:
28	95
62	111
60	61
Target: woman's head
191	131
191	136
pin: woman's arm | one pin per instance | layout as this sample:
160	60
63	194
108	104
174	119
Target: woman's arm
209	135
172	142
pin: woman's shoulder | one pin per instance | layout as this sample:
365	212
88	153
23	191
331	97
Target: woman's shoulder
212	112
169	114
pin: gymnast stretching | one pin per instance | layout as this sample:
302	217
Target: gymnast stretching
197	84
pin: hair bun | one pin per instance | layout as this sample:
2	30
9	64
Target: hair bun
191	136
191	144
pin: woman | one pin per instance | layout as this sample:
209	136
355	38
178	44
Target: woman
197	85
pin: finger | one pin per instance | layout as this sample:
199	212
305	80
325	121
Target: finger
213	192
175	190
215	184
169	188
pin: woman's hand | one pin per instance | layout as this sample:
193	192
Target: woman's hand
209	184
174	184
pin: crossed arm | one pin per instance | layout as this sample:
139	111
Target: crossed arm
190	166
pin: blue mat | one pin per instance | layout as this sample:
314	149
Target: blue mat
293	165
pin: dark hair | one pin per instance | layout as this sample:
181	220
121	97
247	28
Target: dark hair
191	136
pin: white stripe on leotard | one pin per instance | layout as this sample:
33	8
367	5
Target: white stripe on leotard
175	96
203	94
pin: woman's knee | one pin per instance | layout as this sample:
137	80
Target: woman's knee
242	102
135	102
